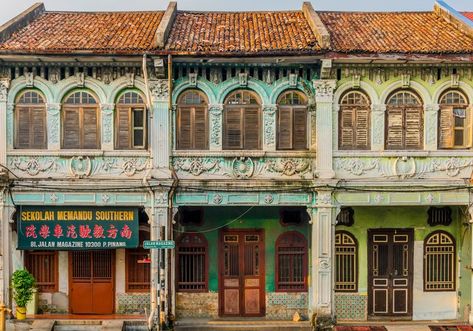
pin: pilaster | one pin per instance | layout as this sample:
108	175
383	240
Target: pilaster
430	126
54	125
4	85
470	211
215	127
10	107
377	126
324	99
107	126
269	125
159	123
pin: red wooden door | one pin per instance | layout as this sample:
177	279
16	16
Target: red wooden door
91	279
242	285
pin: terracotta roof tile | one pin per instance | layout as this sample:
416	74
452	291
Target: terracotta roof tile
407	32
115	32
468	15
242	33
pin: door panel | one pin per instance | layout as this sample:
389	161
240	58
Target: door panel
242	273
390	272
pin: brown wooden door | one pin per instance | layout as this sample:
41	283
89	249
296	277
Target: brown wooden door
390	272
91	282
242	285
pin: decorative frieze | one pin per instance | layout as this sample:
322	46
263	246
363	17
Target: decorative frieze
107	124
324	90
53	120
159	89
269	120
216	114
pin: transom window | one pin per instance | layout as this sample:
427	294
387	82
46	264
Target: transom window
291	262
242	121
292	121
80	129
439	262
192	123
346	262
404	121
30	121
354	121
130	122
455	122
43	265
192	263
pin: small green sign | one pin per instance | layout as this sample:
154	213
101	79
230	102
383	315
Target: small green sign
159	244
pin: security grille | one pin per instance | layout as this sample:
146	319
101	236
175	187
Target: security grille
346	262
439	262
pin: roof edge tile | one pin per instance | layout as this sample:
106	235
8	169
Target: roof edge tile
21	20
316	24
453	17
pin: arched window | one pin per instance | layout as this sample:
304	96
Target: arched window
291	262
242	121
455	122
404	121
292	121
192	263
30	121
439	262
80	122
354	121
346	262
130	122
192	123
138	266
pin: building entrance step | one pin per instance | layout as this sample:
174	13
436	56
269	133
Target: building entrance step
240	325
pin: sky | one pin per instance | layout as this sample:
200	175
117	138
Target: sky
11	8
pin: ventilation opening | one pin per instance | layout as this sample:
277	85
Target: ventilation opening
346	216
293	216
190	216
439	216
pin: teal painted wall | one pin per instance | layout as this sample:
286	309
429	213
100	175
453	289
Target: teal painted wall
266	218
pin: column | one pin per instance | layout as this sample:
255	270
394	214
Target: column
430	126
4	85
324	99
215	127
377	126
53	125
470	210
107	126
159	123
269	125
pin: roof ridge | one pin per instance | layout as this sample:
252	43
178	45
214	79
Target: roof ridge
375	12
238	12
103	12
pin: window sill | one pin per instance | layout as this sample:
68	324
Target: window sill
243	153
75	152
402	153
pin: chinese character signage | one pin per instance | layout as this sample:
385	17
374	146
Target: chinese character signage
77	228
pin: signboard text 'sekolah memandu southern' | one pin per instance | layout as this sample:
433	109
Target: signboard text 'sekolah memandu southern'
77	228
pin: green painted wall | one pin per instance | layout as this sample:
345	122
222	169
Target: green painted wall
266	218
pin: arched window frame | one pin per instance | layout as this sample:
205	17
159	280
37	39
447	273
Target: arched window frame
292	126
131	121
346	253
439	247
299	249
454	121
192	127
242	122
138	274
404	121
192	246
30	121
354	123
82	110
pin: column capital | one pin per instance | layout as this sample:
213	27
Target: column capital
107	107
4	86
324	199
53	107
159	90
216	108
432	107
270	108
378	107
324	90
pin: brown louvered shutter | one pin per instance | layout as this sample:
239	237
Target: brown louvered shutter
347	128
71	128
362	130
233	128
446	125
468	134
90	128
200	128
23	127
184	128
394	128
252	128
38	128
300	128
123	127
285	126
414	128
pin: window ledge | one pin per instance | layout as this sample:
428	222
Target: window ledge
244	153
401	153
75	152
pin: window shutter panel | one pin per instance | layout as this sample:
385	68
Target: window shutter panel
38	128
233	128
200	128
347	127
71	128
285	126
300	128
123	128
446	125
90	128
394	134
252	128
184	128
23	127
469	127
362	130
414	128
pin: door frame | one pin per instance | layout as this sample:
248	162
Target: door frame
410	277
262	298
69	276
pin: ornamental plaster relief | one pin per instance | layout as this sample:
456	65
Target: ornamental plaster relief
53	123
159	89
107	123
216	114
4	85
269	120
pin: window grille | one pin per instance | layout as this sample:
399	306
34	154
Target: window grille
291	262
439	262
346	262
192	263
439	216
346	216
43	266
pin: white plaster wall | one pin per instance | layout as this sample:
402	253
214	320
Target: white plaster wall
63	265
430	305
119	274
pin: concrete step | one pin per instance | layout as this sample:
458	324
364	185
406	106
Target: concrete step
74	325
241	326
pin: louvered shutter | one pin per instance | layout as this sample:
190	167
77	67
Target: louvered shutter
285	126
469	127
414	128
446	128
22	127
123	128
300	128
90	128
394	131
200	128
347	127
71	128
362	129
38	128
252	128
184	128
233	128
